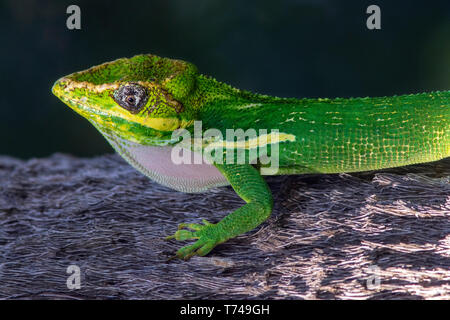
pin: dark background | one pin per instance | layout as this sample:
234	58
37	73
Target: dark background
295	48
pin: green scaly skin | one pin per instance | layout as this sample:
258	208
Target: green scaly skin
318	135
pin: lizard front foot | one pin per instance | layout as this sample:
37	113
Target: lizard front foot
206	233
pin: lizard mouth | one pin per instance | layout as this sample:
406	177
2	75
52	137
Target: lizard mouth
97	103
74	94
66	90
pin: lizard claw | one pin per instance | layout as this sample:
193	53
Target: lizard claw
206	234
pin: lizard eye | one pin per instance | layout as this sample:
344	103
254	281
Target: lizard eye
131	97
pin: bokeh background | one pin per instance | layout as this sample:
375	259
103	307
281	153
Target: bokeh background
292	48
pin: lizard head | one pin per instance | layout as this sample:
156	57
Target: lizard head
140	99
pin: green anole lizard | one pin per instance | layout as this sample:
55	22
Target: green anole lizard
139	104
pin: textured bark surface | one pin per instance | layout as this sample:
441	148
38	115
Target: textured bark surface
330	236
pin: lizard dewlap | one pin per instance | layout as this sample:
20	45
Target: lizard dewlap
190	132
